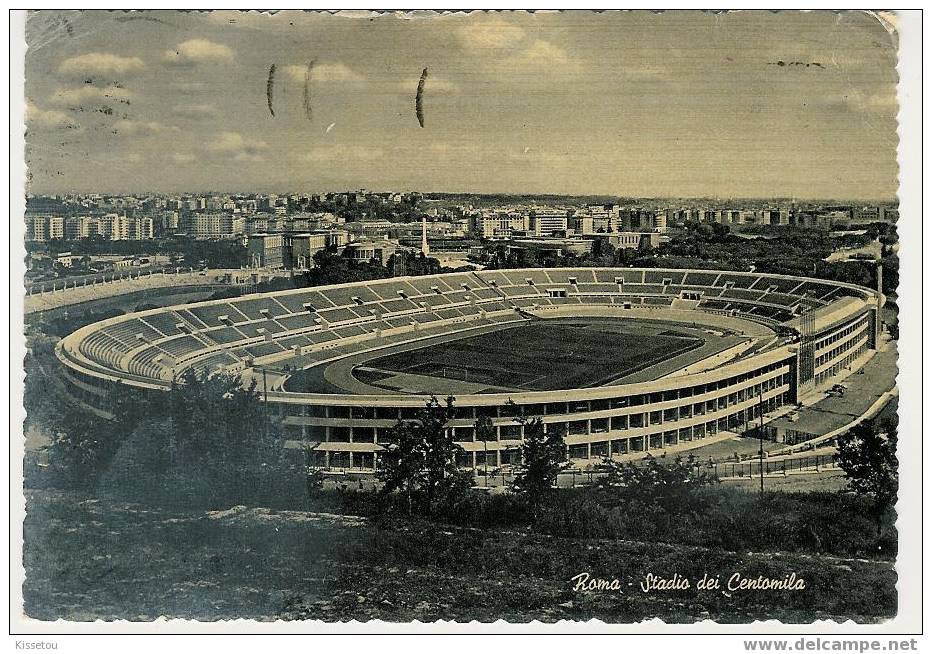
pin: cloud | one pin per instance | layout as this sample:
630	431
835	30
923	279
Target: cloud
88	92
100	63
142	128
234	145
503	46
326	72
232	141
540	55
491	34
36	117
197	51
196	110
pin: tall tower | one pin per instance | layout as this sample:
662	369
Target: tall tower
880	276
425	250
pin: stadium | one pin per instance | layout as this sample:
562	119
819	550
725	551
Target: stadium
623	360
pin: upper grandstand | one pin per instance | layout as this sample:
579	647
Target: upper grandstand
301	326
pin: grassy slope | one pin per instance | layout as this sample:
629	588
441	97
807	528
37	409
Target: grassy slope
91	559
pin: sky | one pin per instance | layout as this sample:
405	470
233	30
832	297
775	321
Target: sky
632	104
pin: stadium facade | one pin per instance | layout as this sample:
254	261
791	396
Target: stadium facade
797	334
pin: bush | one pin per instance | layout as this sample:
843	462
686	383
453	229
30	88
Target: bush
707	516
727	518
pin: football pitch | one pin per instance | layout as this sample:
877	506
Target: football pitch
541	356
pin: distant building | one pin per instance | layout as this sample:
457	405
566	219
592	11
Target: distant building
660	222
172	220
585	224
601	214
836	217
65	259
557	247
266	250
501	224
301	248
116	228
380	250
546	223
56	227
72	229
337	238
37	228
633	240
215	225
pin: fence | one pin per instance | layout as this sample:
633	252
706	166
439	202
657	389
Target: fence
752	468
498	477
721	470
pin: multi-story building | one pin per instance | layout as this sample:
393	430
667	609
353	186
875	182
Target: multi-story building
660	222
72	229
633	240
88	227
730	217
215	225
257	225
37	228
584	223
601	214
546	223
56	227
301	248
337	238
266	250
500	224
143	229
379	250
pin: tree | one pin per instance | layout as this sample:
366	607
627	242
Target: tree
543	456
332	268
82	445
867	454
313	477
207	439
420	459
665	484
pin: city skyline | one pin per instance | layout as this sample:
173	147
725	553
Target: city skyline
682	104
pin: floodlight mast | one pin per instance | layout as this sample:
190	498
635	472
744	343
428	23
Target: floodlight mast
760	434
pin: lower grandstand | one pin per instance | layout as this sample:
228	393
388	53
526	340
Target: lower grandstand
621	359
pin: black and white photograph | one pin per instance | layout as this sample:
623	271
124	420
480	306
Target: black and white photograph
437	318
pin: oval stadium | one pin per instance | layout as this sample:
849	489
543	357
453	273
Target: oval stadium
623	360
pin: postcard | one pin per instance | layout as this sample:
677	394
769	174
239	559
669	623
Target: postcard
438	318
